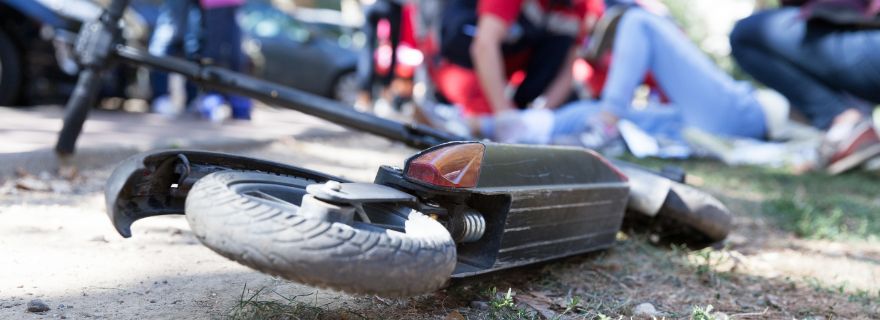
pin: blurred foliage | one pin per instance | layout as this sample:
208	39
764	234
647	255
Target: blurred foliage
322	4
695	27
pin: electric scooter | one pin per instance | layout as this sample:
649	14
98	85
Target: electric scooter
458	208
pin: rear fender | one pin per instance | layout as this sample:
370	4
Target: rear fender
157	183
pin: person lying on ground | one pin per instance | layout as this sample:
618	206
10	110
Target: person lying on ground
701	95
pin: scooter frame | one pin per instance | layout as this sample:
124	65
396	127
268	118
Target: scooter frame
99	44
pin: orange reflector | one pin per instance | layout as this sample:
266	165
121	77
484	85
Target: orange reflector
455	166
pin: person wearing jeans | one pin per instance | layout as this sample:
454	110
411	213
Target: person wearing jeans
221	44
823	56
819	68
176	34
701	95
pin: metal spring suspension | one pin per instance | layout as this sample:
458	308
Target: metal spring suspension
470	226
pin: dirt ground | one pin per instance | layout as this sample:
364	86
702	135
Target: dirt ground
58	246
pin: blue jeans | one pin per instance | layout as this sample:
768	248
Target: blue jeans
176	34
701	94
221	42
817	67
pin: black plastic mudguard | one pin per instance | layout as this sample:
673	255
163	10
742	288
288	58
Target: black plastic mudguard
147	184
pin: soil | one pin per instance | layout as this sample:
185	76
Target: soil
58	246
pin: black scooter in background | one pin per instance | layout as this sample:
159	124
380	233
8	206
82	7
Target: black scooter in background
458	208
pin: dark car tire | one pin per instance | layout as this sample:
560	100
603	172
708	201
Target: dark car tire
354	258
345	87
10	70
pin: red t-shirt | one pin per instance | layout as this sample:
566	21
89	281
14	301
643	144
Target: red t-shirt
568	20
565	20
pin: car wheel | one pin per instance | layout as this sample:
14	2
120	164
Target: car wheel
10	70
345	88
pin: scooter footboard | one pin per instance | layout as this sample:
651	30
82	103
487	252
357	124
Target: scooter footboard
157	183
542	203
548	224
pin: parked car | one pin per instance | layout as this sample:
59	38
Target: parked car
28	57
36	60
37	66
297	54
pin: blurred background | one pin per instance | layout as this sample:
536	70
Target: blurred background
319	37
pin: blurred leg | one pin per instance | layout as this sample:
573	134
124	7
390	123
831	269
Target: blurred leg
395	18
366	69
813	66
167	39
708	98
222	44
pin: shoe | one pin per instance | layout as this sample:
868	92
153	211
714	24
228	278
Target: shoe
849	145
165	106
872	165
241	107
212	107
602	137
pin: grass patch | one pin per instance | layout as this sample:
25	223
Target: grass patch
502	306
812	205
253	306
700	313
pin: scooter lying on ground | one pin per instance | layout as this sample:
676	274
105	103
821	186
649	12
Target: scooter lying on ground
457	209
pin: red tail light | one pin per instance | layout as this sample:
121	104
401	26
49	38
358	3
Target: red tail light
453	166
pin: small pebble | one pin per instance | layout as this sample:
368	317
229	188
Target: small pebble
480	305
37	305
721	316
645	310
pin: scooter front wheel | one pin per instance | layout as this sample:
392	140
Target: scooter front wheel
256	220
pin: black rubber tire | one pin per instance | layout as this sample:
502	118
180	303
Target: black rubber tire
10	70
325	254
340	80
688	216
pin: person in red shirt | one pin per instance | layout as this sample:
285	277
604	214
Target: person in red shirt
485	42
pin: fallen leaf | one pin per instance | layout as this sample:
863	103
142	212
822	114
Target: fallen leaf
32	184
541	304
454	315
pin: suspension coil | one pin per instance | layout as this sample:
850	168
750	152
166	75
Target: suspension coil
468	226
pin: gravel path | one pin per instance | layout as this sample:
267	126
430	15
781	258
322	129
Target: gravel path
58	245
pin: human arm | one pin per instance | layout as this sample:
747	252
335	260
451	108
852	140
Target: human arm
560	89
488	60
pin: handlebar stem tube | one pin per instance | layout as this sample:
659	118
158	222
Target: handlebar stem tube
220	79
